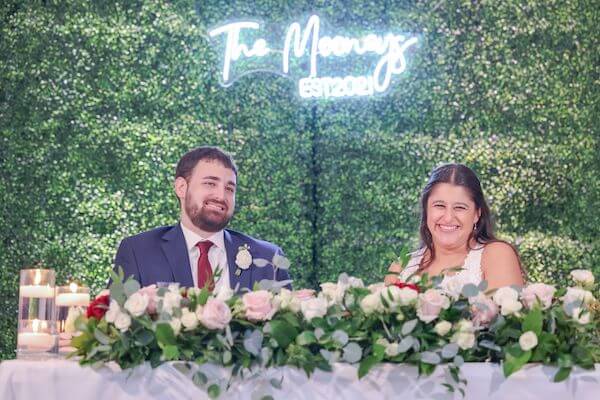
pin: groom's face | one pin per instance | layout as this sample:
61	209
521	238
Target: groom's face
208	196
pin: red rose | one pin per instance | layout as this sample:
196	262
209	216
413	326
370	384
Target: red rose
412	286
98	307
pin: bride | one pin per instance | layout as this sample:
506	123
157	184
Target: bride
456	231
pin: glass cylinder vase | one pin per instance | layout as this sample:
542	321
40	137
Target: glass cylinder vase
71	302
37	335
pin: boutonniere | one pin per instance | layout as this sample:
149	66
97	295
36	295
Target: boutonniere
243	259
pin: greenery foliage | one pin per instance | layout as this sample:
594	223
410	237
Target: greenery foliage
99	100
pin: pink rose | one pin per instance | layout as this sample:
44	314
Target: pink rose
258	305
304	294
538	292
430	304
484	310
215	314
152	293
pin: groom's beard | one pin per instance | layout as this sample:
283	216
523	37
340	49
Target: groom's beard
206	220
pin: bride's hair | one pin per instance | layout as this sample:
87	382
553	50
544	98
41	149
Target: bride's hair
461	175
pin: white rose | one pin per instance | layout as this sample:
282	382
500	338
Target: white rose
505	294
464	325
581	316
123	321
583	277
193	291
377	287
286	299
136	304
371	303
528	341
189	320
511	307
355	282
224	293
170	301
538	293
400	297
175	325
577	297
113	311
243	259
464	340
173	287
452	288
442	328
333	292
314	308
392	350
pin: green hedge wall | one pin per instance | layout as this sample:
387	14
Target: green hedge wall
99	101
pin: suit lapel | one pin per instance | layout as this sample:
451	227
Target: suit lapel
231	248
175	250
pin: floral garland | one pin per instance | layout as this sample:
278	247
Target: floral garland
416	323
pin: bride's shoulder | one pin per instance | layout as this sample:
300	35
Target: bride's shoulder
498	248
499	252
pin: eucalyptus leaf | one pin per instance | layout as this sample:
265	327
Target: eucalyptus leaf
253	342
405	344
450	350
260	262
483	285
488	344
319	332
330	356
409	326
281	262
340	337
470	290
130	287
352	353
101	336
430	357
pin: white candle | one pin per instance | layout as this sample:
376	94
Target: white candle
39	291
73	299
36	341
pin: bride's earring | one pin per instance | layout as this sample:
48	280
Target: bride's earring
475	226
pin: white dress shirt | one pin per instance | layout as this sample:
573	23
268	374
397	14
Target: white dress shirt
217	256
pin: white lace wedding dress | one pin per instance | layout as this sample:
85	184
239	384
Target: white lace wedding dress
452	283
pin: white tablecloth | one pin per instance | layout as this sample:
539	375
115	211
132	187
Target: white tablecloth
60	380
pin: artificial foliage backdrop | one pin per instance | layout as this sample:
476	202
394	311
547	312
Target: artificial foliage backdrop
98	100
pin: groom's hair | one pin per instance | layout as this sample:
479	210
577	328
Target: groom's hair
188	162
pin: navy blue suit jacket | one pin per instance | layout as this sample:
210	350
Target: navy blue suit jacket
161	255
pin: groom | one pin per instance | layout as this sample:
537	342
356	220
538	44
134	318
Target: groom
192	251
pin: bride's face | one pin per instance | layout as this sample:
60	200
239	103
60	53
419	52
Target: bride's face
451	214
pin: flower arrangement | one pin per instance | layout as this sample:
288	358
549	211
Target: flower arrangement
415	323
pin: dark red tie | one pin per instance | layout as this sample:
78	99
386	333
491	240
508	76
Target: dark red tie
205	274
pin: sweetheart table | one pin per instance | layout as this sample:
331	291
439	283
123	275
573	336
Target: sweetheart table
62	379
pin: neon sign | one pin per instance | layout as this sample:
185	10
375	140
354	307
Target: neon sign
324	65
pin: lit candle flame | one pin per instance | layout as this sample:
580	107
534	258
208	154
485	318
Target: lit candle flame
73	287
37	278
35	325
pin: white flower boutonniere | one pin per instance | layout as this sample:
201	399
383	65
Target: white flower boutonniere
243	259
